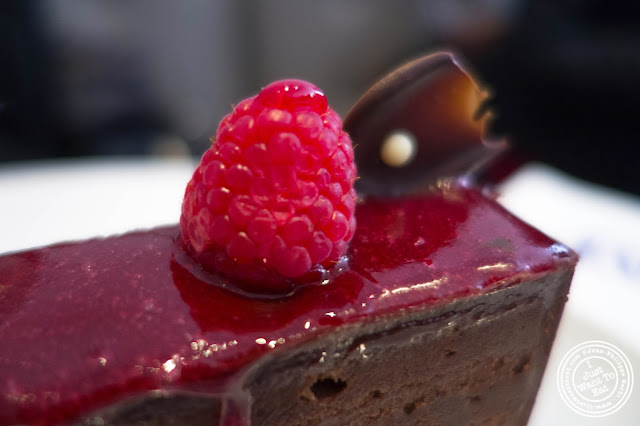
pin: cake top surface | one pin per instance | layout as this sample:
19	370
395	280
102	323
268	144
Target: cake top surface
83	324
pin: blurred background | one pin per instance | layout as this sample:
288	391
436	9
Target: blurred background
153	77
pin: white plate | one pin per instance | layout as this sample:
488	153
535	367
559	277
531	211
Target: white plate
604	300
47	202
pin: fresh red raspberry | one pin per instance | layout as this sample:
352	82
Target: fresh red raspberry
271	203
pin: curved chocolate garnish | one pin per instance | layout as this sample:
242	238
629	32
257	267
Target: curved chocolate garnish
434	100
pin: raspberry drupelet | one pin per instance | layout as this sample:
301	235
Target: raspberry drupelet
271	203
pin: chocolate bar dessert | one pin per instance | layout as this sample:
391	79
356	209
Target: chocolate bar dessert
267	306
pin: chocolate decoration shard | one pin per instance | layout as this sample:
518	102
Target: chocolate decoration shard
434	100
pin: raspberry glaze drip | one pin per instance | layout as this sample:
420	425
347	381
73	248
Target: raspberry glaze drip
84	325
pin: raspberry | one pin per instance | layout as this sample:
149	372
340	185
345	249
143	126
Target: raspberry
271	203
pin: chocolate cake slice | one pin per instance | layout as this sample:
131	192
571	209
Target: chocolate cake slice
445	313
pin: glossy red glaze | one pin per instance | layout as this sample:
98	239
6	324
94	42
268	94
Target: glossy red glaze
85	324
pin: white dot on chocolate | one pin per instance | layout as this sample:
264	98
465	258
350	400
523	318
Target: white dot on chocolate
398	149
